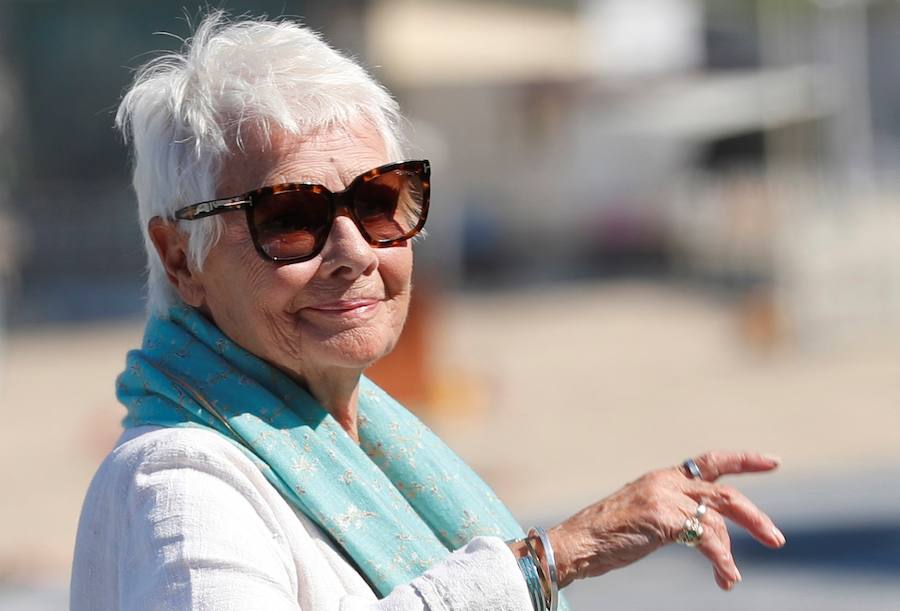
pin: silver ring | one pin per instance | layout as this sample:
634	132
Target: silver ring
691	532
701	511
692	469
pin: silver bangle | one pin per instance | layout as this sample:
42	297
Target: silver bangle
532	581
550	560
541	572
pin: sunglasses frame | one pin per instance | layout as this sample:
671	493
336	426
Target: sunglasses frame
339	201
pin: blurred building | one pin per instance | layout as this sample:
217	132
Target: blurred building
749	147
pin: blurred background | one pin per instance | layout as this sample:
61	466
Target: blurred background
658	227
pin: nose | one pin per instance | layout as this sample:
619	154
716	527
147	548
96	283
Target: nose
346	253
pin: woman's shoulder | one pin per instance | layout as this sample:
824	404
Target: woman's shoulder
194	475
166	501
145	447
185	461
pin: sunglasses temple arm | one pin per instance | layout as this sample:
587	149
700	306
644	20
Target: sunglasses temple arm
211	208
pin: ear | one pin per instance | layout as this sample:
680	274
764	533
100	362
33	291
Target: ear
172	247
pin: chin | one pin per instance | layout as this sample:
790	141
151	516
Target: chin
356	348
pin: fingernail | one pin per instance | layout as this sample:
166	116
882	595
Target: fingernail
772	458
779	536
737	574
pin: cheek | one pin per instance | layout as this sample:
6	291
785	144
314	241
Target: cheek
396	265
246	288
242	278
251	304
273	289
396	272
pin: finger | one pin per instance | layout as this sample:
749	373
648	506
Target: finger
723	583
715	544
714	465
732	504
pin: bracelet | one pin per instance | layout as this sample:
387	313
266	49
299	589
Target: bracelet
545	581
529	571
548	565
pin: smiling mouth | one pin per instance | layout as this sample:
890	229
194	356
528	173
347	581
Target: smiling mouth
356	308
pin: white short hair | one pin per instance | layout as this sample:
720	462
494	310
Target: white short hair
185	112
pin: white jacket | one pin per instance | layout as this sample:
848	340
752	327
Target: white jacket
180	519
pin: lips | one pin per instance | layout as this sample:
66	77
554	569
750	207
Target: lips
340	306
351	308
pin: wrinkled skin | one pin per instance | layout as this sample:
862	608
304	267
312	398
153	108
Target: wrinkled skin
649	512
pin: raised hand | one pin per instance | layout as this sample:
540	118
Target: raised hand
651	511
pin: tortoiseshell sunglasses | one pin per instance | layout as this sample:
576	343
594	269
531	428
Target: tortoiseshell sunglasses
291	221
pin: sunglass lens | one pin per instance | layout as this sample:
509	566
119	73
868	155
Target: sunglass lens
390	206
291	224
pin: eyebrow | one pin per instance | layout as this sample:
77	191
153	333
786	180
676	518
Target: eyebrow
281	179
346	176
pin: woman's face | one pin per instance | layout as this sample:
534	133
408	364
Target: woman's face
343	309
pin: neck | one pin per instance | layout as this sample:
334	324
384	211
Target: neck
338	393
336	388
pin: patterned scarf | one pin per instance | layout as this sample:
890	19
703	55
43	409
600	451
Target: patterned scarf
396	503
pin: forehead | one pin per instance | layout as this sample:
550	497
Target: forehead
332	157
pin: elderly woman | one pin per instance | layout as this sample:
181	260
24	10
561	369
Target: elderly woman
259	469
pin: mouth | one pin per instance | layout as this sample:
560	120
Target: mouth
354	308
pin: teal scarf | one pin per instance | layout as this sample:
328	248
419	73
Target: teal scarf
396	503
